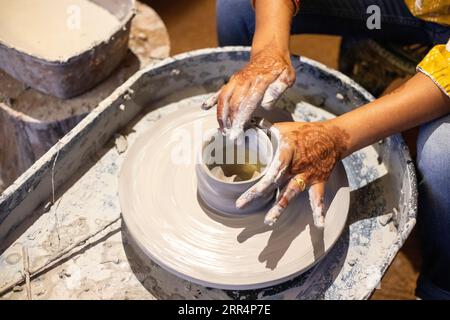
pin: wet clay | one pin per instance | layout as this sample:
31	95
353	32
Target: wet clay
171	224
221	175
54	30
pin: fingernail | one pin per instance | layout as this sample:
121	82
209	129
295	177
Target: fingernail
269	222
273	215
320	223
234	133
241	202
319	219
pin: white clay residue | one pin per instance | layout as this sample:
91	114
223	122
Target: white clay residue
54	30
217	250
219	174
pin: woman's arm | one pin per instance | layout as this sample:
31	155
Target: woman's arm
273	25
268	74
309	151
418	101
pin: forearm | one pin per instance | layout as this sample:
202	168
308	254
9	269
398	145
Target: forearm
273	25
418	101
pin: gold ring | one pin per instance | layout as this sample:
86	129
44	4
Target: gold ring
301	183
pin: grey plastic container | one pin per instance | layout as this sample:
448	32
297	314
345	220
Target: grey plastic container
79	73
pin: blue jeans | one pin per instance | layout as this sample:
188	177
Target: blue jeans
236	21
433	161
236	25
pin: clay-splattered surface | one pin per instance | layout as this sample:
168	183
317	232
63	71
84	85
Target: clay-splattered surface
196	28
105	266
382	177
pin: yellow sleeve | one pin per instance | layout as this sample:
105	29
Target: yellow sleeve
436	65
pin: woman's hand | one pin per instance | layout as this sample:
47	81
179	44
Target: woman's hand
309	151
268	74
261	82
306	155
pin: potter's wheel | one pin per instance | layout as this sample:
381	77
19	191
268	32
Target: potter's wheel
162	213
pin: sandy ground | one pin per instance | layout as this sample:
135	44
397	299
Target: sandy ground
191	25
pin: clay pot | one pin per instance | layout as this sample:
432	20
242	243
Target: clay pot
221	195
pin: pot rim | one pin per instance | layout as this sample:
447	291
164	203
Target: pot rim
255	179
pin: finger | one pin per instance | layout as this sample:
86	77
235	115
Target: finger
275	90
316	199
275	174
289	193
223	106
248	105
239	95
211	101
267	183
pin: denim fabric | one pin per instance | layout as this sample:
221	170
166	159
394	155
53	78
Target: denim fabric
236	25
236	21
433	162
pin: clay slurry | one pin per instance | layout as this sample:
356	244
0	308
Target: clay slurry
54	30
230	168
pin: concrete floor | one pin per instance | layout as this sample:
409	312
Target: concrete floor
191	25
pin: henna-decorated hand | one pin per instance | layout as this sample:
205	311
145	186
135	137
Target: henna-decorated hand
307	151
261	82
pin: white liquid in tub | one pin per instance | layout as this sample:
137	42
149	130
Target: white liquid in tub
54	29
